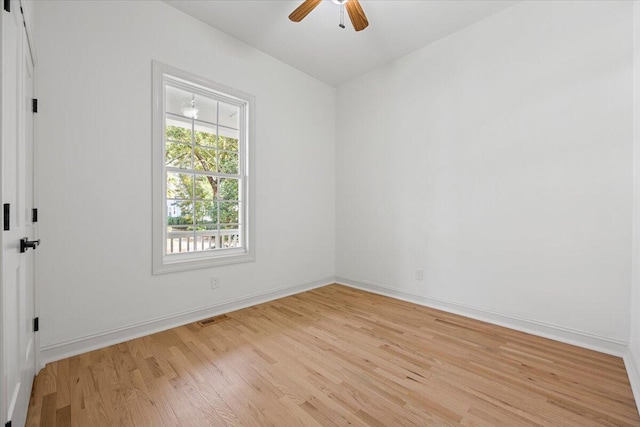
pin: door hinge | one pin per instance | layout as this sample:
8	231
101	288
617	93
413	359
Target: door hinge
34	215
34	105
36	324
7	5
7	219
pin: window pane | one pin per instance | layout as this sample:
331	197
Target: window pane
180	214
229	212
230	236
179	185
176	100
228	139
228	162
207	238
207	109
206	212
177	130
205	135
206	187
178	155
205	146
179	240
229	116
204	159
228	189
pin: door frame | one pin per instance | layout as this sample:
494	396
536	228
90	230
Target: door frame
23	7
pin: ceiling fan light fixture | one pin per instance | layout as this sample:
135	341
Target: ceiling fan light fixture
340	2
191	111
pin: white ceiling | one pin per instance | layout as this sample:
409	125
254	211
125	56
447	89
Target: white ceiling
320	48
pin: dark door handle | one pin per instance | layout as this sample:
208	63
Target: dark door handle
25	244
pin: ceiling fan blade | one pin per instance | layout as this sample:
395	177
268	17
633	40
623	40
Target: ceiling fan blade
303	10
358	18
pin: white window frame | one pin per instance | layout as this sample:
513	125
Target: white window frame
166	263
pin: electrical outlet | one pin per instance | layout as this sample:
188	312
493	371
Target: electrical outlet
419	274
215	282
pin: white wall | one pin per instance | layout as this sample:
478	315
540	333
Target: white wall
94	168
499	160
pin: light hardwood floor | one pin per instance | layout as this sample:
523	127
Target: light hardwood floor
336	356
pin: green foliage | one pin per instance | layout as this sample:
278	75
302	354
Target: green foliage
178	133
215	197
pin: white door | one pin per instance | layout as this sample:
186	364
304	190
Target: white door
18	336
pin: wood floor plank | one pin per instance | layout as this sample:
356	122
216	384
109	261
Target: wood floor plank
336	356
63	416
48	415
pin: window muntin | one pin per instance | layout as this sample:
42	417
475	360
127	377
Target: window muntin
204	173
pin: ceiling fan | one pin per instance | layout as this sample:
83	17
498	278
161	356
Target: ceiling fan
356	14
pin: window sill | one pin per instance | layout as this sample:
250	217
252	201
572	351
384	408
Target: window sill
173	263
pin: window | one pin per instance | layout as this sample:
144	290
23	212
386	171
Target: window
202	203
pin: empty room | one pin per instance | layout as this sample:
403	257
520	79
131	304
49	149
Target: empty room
318	213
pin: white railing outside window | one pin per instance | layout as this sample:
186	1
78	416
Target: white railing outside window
203	240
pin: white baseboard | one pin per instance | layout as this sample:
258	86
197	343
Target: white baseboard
61	350
632	363
554	332
64	349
